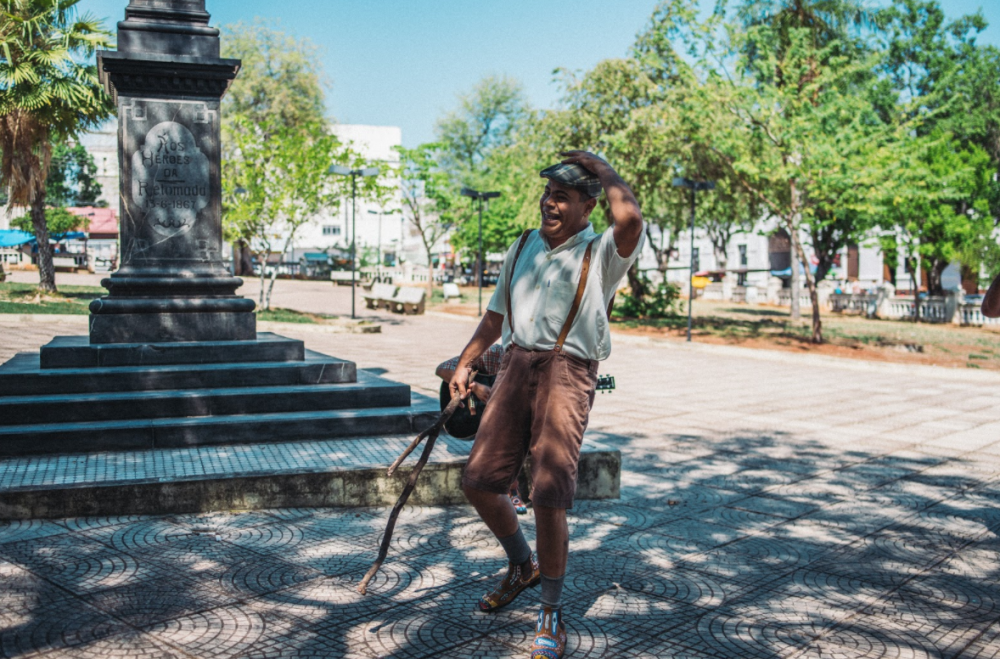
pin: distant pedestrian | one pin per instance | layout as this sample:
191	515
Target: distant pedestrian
991	303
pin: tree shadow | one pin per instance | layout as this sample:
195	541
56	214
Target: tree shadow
758	544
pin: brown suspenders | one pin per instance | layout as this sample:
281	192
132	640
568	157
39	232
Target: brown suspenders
581	287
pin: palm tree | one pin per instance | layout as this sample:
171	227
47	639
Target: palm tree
48	92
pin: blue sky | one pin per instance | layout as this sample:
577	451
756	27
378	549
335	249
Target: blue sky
403	62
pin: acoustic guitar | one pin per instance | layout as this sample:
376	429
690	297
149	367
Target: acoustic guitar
464	424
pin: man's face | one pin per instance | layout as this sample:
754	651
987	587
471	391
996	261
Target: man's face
564	212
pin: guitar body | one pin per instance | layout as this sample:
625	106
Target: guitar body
463	424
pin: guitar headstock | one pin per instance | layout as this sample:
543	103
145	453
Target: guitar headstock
605	383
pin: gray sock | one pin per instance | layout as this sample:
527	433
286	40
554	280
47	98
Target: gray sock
518	551
552	591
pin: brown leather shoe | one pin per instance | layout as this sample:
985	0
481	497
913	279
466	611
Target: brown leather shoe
513	583
550	635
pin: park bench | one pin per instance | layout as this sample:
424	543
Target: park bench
381	296
450	290
409	300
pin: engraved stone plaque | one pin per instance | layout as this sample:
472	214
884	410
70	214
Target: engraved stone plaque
170	179
170	186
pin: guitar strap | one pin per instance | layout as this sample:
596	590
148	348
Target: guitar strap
577	301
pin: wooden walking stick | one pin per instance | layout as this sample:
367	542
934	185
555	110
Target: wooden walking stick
431	435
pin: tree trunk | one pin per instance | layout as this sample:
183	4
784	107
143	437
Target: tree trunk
817	324
262	259
46	270
270	287
934	285
637	283
795	312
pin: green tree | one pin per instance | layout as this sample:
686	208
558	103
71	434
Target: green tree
72	177
429	198
276	180
801	149
487	118
938	201
280	80
59	221
47	94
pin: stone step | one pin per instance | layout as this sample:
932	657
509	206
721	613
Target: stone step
91	436
23	375
346	472
370	391
78	352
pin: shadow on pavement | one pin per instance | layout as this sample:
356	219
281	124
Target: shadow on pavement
750	545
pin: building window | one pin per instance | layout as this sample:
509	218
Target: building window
743	255
331	230
696	260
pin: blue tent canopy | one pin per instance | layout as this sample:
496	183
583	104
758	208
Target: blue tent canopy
15	238
787	272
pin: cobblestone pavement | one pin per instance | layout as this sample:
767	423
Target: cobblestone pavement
772	506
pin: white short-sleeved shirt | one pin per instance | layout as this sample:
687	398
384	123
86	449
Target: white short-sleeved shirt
544	287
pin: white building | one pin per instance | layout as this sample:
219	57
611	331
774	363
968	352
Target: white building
379	227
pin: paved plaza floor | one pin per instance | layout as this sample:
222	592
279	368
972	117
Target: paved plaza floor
772	506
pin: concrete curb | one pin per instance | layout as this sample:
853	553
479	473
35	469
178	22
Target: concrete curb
826	361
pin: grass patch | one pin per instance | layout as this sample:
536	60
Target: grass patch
278	315
27	299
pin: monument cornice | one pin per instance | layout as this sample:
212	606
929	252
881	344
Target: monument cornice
158	75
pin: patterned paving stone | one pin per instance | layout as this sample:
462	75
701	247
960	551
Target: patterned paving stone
612	622
781	527
404	632
744	521
755	560
871	641
162	597
723	634
231	631
126	644
86	523
152	533
986	646
53	626
75	562
21	530
774	506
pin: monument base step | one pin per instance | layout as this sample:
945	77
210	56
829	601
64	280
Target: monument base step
345	472
145	434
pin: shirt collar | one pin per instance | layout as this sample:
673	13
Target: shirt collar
587	235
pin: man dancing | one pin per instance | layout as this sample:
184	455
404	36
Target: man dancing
550	307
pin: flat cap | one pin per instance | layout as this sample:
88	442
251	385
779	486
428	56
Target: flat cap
574	176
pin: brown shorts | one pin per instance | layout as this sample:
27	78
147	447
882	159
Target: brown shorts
540	406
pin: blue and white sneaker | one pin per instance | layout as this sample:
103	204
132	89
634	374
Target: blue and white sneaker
550	635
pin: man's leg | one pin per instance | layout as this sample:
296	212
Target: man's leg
553	549
495	510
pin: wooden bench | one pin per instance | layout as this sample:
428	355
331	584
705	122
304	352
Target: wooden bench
409	301
381	296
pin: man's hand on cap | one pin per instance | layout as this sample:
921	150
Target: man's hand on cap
589	161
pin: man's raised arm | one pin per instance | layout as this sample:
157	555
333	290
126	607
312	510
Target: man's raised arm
624	207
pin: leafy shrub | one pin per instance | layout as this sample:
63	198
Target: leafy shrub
660	302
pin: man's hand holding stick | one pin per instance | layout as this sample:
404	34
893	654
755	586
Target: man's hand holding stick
431	435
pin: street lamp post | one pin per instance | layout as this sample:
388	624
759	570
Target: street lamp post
354	174
694	186
379	250
483	198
